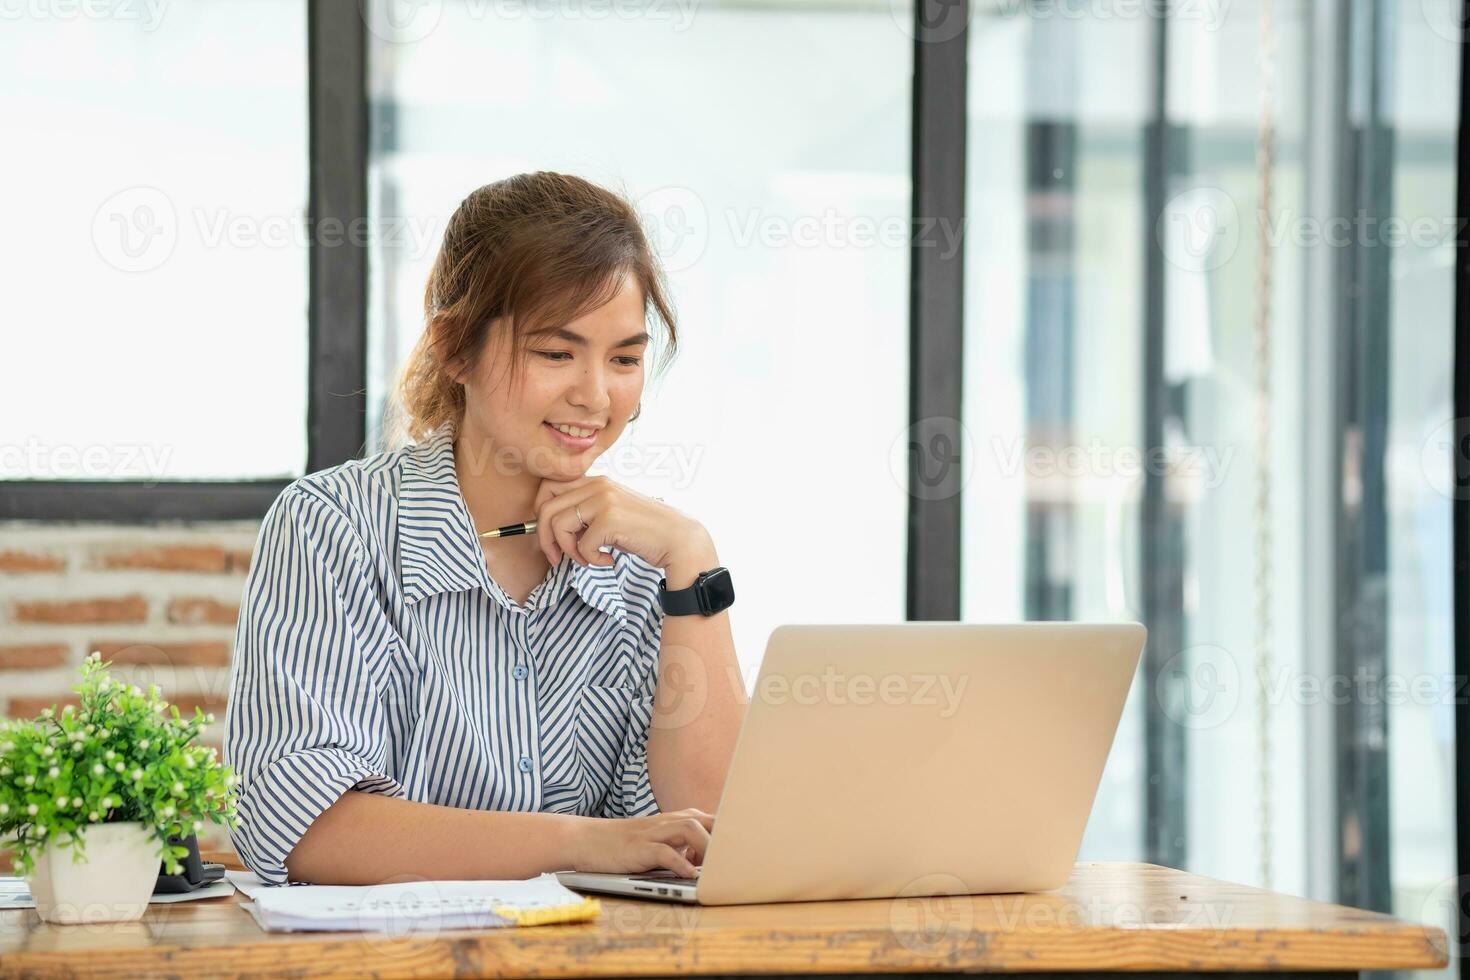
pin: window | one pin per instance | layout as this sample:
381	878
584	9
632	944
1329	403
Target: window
157	328
779	199
1297	696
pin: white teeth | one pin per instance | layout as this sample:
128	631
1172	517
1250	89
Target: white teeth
573	431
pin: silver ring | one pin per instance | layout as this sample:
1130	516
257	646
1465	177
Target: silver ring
578	509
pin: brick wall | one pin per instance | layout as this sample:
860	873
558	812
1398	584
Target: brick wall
160	602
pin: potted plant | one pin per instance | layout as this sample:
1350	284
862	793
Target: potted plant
90	795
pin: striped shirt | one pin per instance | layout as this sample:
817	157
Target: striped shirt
375	652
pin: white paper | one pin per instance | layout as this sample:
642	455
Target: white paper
247	881
404	906
16	894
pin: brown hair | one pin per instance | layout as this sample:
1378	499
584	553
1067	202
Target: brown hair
538	249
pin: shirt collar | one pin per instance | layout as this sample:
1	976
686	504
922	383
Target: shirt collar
439	551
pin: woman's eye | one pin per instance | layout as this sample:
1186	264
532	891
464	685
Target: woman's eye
557	355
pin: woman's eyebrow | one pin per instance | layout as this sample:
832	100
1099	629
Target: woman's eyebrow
576	338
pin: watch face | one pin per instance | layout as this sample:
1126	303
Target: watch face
716	591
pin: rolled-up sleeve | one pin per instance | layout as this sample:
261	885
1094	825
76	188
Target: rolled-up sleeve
305	720
631	794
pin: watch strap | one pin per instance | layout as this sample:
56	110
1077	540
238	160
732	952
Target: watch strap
680	602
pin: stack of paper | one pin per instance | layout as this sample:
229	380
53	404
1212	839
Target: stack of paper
419	905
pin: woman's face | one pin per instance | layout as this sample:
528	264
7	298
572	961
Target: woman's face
590	376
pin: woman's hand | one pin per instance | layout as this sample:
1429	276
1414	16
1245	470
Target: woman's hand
676	841
615	516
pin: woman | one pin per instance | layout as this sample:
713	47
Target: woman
408	698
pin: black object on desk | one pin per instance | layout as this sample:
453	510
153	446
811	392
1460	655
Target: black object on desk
196	874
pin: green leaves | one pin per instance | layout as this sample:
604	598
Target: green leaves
124	755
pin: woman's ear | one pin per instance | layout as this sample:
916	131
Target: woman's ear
444	337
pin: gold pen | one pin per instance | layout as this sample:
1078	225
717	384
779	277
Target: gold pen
510	530
526	527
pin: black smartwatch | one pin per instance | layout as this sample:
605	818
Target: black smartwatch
711	592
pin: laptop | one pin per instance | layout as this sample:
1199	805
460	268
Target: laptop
909	759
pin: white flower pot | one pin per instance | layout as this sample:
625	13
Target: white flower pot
111	882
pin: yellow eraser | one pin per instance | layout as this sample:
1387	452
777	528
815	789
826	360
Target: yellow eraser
586	909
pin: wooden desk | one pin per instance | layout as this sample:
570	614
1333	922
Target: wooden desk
1109	917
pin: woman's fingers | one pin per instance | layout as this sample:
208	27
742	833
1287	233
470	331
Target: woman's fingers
589	544
686	832
557	516
552	536
566	539
664	856
551	489
562	521
706	819
677	840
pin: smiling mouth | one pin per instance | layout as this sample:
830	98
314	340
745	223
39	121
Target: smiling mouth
575	442
582	431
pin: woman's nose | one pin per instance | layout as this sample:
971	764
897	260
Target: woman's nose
591	390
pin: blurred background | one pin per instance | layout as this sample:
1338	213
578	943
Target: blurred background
1103	310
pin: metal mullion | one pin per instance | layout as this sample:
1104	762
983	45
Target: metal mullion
1323	308
1360	623
936	309
337	218
1161	560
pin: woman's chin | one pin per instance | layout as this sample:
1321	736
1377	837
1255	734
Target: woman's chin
569	468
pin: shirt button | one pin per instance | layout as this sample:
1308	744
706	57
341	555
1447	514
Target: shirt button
519	672
525	764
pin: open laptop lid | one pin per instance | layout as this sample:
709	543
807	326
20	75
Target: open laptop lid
918	758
